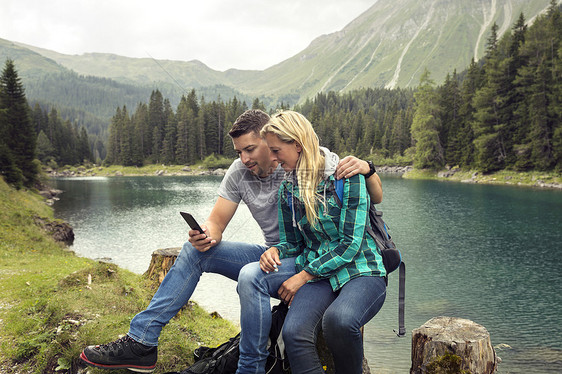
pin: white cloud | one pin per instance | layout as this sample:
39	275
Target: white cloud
223	34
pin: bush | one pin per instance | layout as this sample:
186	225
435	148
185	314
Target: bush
215	162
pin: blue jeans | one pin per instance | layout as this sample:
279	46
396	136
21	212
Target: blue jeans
226	258
255	289
341	315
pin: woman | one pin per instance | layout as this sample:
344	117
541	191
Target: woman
326	266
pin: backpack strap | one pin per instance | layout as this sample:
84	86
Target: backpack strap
401	299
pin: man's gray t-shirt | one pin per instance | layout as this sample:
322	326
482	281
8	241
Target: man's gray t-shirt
259	194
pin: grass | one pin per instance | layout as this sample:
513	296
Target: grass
49	311
531	178
211	162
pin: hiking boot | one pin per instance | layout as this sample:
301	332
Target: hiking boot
124	353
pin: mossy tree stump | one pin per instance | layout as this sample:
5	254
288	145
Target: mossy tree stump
444	342
160	263
163	259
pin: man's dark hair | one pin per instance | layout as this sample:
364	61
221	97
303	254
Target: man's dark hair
251	120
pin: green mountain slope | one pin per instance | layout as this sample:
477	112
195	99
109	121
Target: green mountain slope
28	62
192	74
392	42
94	85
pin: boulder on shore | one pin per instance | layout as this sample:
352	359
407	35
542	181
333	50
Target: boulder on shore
60	231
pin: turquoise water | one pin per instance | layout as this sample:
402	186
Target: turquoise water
491	254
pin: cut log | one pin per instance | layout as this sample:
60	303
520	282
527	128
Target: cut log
443	342
163	259
160	263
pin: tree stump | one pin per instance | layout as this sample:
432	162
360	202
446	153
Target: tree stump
163	259
439	340
160	263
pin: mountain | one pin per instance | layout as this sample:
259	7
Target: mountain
97	84
389	45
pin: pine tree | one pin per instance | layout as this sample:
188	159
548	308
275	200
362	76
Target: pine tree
184	116
488	127
557	112
45	149
114	141
451	102
16	129
472	82
170	135
426	126
84	153
143	135
536	82
157	123
126	139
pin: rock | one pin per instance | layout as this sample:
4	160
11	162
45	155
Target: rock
448	173
441	339
50	193
59	230
394	169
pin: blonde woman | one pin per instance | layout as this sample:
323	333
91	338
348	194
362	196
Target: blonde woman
326	266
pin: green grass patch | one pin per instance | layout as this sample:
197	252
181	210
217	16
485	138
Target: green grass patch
420	174
211	162
532	178
54	303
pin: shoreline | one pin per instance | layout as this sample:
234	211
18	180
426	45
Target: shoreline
537	179
534	179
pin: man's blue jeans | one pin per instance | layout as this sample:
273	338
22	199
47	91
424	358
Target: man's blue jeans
226	258
340	314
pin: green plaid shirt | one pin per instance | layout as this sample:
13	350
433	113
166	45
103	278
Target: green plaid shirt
338	247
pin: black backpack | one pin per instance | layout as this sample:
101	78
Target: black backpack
224	358
391	256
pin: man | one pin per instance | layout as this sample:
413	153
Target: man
253	178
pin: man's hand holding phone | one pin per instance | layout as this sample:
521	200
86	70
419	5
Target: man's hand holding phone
198	235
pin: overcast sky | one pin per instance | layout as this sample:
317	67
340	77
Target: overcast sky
223	34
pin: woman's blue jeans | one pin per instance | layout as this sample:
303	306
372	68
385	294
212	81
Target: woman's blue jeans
226	258
340	315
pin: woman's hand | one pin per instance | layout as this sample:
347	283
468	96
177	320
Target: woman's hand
290	287
269	260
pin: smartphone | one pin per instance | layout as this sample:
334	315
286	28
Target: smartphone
192	222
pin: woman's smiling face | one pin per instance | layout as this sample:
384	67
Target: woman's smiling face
286	154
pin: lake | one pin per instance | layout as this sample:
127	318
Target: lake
491	254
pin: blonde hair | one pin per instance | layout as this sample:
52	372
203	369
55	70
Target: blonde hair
290	127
